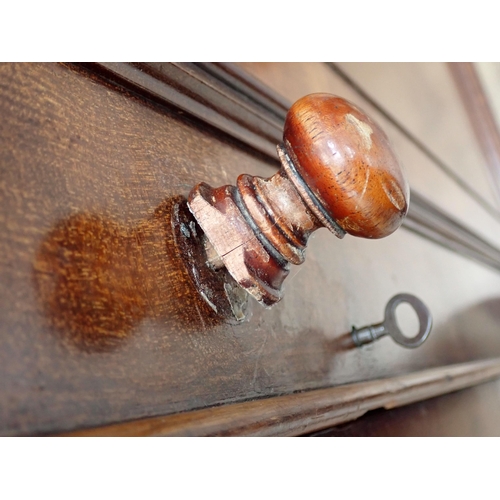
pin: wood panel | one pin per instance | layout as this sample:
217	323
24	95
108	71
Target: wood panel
209	93
471	412
99	322
481	119
298	414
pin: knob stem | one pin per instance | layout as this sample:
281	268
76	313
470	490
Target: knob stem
257	229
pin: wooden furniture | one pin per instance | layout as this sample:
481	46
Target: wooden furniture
104	332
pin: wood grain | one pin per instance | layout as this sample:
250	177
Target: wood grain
481	118
298	414
99	320
346	160
192	88
471	412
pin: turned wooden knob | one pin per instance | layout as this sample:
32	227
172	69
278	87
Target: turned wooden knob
338	171
345	160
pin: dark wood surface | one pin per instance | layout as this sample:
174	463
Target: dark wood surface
99	321
209	92
304	412
472	412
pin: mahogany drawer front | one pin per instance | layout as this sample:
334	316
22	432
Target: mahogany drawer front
100	322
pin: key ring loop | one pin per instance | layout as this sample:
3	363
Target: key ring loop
424	318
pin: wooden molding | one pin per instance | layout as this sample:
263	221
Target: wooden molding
210	92
227	98
480	117
306	412
429	221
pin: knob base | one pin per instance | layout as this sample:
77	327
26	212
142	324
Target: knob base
243	249
213	282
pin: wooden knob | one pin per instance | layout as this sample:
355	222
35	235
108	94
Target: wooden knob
338	171
346	161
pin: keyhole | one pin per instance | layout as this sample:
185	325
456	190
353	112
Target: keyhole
407	320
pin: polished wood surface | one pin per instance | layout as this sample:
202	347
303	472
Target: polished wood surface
347	162
99	320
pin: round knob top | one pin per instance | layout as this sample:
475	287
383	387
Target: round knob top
347	162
